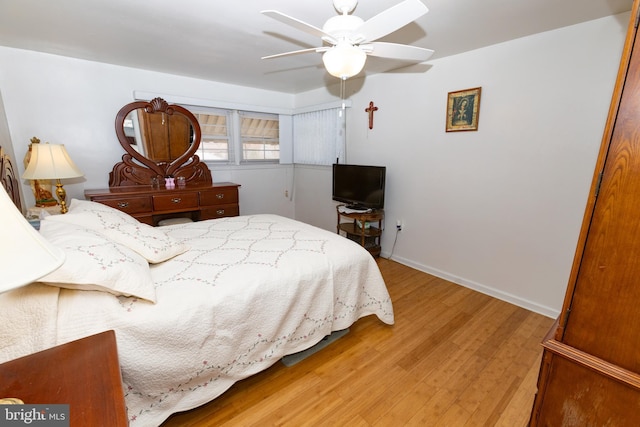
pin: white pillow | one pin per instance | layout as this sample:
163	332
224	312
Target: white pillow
96	263
150	242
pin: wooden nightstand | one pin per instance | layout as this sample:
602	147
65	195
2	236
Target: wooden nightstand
85	374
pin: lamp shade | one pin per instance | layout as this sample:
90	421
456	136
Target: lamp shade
50	161
25	256
344	60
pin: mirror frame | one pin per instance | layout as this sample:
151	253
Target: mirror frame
136	169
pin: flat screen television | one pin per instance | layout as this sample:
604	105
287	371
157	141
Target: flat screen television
359	186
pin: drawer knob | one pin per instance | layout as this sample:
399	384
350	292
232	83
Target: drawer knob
176	200
123	204
220	211
220	195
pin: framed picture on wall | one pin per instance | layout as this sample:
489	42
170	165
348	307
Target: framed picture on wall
463	109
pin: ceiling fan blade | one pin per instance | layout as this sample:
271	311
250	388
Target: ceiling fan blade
397	51
300	25
297	52
391	20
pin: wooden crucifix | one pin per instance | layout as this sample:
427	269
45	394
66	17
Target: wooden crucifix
371	110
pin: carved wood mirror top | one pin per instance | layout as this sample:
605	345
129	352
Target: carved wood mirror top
160	140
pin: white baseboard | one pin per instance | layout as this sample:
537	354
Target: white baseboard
487	290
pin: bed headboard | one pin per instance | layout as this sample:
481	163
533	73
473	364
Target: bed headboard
9	178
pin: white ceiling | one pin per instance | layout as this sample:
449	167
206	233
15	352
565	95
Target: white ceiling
224	40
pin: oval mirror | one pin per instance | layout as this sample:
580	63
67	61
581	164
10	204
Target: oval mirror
158	137
160	140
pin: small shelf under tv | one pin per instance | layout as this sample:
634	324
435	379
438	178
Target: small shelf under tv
364	228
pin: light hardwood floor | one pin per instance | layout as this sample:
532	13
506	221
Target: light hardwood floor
454	357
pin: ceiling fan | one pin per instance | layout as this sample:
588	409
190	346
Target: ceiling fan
348	39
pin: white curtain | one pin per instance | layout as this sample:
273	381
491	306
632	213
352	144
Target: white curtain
319	137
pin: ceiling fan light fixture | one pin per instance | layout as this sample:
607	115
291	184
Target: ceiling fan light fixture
344	60
348	39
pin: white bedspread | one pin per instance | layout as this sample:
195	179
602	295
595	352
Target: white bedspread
250	290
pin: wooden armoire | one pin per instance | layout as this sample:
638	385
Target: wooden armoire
590	371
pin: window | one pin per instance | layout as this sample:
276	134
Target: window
259	136
231	134
215	136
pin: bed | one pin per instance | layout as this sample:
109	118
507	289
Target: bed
196	307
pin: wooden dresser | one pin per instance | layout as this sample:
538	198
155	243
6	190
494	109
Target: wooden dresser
151	205
590	372
160	143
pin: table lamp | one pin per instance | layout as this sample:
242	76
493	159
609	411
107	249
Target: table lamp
25	256
51	161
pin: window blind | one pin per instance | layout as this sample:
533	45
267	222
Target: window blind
319	136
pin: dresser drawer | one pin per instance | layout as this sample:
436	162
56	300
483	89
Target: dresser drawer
130	205
219	212
219	196
152	204
175	202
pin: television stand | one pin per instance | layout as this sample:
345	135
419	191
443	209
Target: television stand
347	209
361	228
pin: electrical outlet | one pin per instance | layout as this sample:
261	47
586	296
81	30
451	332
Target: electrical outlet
399	225
286	193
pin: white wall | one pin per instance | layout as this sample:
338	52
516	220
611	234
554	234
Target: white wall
498	210
74	102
